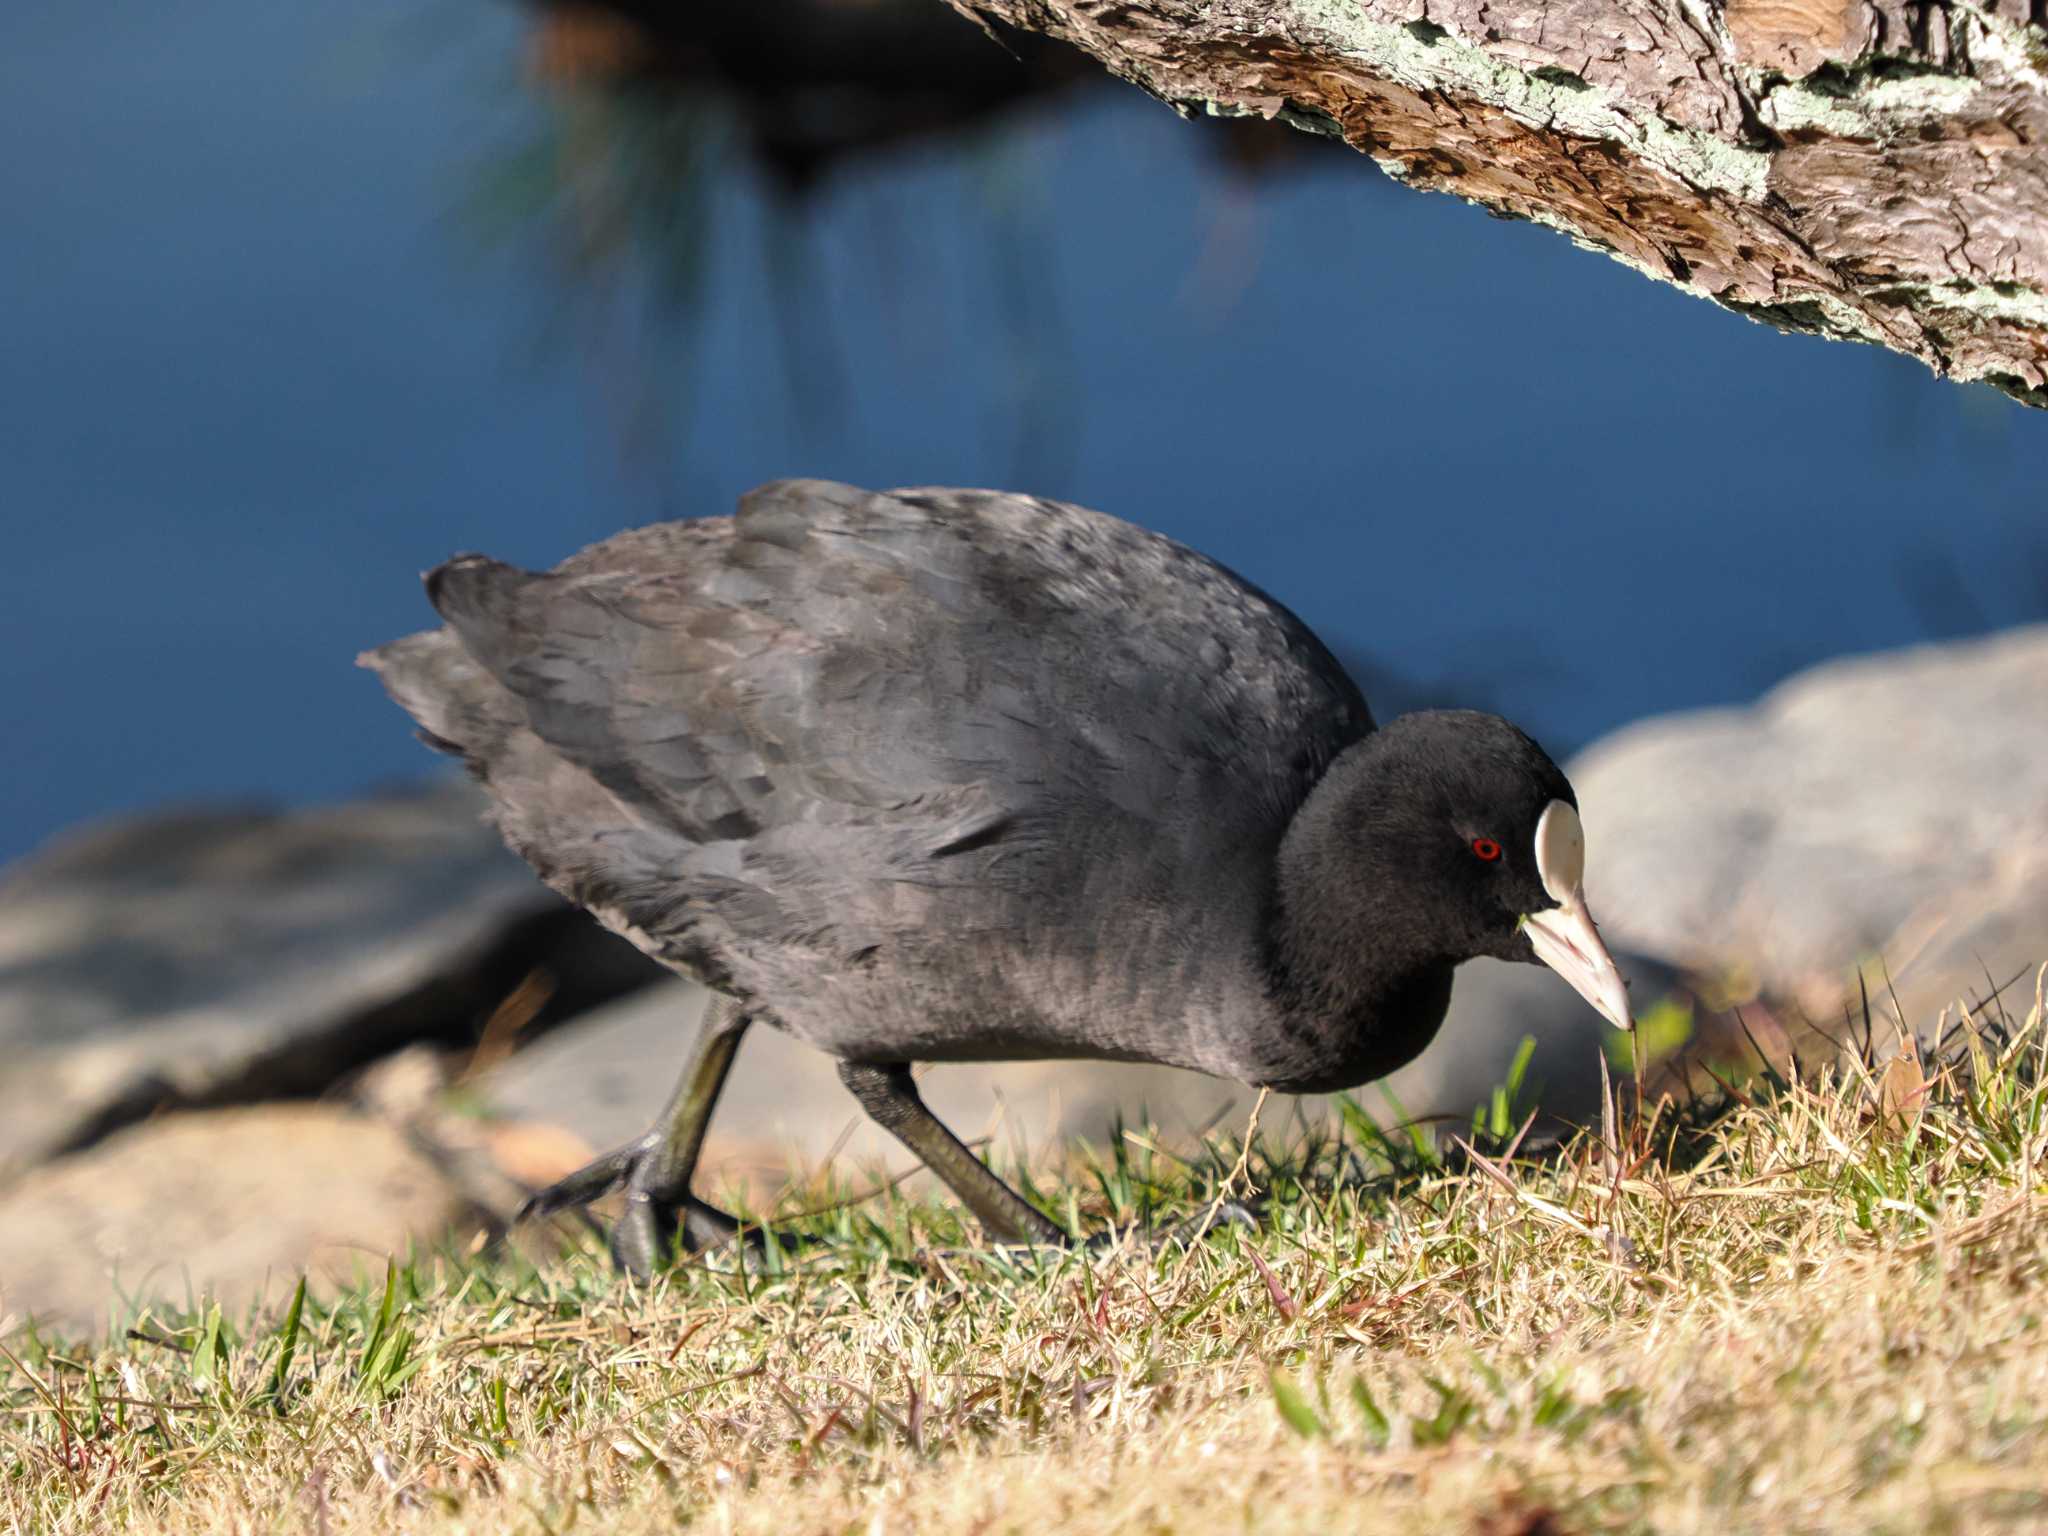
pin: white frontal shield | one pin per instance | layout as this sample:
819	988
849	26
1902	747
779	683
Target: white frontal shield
1565	937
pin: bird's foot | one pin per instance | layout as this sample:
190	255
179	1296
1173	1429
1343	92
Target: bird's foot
659	1220
1206	1222
1210	1219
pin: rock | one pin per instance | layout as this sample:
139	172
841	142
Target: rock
223	956
1889	808
234	1202
605	1077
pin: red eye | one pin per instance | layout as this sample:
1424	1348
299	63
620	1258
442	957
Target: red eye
1486	848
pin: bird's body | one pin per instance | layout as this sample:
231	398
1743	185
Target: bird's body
959	775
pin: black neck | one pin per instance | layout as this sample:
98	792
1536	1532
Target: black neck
1359	979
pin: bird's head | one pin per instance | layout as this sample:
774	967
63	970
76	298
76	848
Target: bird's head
1474	835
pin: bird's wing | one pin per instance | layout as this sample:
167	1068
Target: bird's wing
838	689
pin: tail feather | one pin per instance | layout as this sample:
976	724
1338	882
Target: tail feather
459	707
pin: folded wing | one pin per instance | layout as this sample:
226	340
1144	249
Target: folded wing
845	720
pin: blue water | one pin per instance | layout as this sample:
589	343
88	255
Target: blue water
262	361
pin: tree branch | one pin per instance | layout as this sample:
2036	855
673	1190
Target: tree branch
1871	170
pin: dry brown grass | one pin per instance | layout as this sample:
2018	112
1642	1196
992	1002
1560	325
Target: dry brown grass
1819	1310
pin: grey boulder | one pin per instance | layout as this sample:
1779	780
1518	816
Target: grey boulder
1887	812
211	957
233	1204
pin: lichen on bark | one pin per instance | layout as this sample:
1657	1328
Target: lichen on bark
1872	170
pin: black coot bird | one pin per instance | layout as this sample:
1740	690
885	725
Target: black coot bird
952	775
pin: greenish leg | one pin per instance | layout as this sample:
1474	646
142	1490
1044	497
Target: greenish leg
891	1099
655	1170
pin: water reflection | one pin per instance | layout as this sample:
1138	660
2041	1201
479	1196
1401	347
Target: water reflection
613	196
313	299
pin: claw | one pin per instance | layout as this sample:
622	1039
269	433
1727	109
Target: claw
645	1237
642	1240
1186	1233
593	1181
1214	1218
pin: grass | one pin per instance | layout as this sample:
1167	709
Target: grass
1816	1305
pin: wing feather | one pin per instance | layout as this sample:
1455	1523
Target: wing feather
809	722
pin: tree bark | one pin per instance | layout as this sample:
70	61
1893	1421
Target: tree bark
1871	170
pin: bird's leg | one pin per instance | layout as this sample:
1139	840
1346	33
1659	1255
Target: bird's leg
656	1169
891	1099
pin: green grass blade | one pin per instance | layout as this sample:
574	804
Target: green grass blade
287	1346
1294	1407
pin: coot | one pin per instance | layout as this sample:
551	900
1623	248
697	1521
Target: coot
956	775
